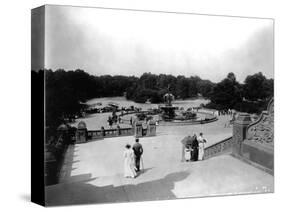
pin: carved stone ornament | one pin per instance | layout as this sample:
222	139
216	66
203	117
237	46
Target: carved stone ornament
262	131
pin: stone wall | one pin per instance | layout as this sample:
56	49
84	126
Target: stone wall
258	146
253	142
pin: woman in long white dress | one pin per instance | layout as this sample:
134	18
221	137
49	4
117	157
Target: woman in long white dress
201	143
129	162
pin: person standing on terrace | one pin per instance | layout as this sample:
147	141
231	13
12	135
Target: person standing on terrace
138	150
129	169
201	142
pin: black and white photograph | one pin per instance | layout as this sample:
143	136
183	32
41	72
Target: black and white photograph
148	105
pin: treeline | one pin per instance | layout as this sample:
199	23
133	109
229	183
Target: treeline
252	96
66	90
152	87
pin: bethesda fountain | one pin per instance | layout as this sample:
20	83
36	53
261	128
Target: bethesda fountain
168	109
171	113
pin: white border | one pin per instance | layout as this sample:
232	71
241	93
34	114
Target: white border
15	103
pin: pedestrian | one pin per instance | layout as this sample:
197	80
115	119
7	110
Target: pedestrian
129	169
186	148
138	151
110	122
131	121
194	146
201	143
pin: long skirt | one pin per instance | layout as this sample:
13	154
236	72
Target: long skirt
187	154
129	168
194	154
201	151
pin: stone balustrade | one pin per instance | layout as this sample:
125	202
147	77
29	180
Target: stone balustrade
224	146
106	133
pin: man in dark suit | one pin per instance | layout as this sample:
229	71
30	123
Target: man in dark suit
138	150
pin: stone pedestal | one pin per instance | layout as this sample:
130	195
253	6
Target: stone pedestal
81	133
151	130
118	130
63	133
138	129
239	131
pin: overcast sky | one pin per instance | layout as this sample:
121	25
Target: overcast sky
102	41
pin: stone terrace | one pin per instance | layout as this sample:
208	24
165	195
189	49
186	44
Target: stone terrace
93	171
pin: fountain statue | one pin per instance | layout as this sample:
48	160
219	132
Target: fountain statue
168	109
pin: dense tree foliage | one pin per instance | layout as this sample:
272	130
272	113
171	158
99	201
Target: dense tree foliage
67	90
251	97
153	87
257	87
227	92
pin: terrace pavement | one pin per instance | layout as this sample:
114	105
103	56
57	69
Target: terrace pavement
93	172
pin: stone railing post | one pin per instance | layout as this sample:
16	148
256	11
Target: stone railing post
138	129
133	129
240	131
81	133
151	128
118	130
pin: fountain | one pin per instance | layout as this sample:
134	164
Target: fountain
170	115
168	109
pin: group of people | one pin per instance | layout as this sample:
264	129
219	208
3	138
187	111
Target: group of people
193	150
225	112
132	159
193	147
114	119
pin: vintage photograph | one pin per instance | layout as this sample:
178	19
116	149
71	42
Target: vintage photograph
144	105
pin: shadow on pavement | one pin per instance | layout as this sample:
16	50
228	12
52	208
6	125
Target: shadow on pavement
84	192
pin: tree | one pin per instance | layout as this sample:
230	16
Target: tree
227	93
182	87
205	88
257	87
231	76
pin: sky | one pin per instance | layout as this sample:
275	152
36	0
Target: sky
121	42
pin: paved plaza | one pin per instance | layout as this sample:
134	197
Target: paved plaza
93	172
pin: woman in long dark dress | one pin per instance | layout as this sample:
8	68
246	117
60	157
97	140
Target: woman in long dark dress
194	146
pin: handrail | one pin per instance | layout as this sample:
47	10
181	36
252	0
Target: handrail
219	148
218	142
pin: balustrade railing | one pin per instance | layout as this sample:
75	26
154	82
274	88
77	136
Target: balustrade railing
105	133
219	148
